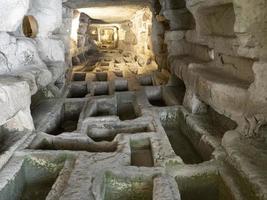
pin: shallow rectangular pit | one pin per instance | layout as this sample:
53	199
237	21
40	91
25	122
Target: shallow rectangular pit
124	107
34	180
126	188
121	85
101	76
79	77
107	59
101	89
182	145
203	186
67	118
78	91
155	96
59	144
103	107
146	81
187	129
108	132
105	64
141	153
118	73
126	111
102	113
158	102
185	139
127	108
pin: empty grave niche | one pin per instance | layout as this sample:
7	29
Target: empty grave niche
185	139
182	146
211	123
101	88
77	144
127	188
109	130
101	76
66	119
118	72
146	81
155	97
78	90
34	180
141	153
104	65
121	85
79	76
163	96
103	107
217	20
208	186
180	143
127	107
123	105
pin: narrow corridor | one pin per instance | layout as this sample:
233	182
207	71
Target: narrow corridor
133	100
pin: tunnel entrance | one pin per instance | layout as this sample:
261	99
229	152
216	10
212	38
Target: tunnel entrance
104	36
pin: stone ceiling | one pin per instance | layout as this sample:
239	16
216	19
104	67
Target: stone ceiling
111	13
108	10
102	3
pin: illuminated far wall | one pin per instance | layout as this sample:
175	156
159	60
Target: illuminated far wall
75	26
136	34
105	35
142	28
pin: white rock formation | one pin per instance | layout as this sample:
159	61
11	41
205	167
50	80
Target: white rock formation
20	57
51	50
14	11
48	15
15	100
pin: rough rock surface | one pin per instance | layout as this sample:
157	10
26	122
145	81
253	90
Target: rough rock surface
15	103
48	15
12	13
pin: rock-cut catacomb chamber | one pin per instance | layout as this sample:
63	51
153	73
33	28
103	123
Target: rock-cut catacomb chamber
133	100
